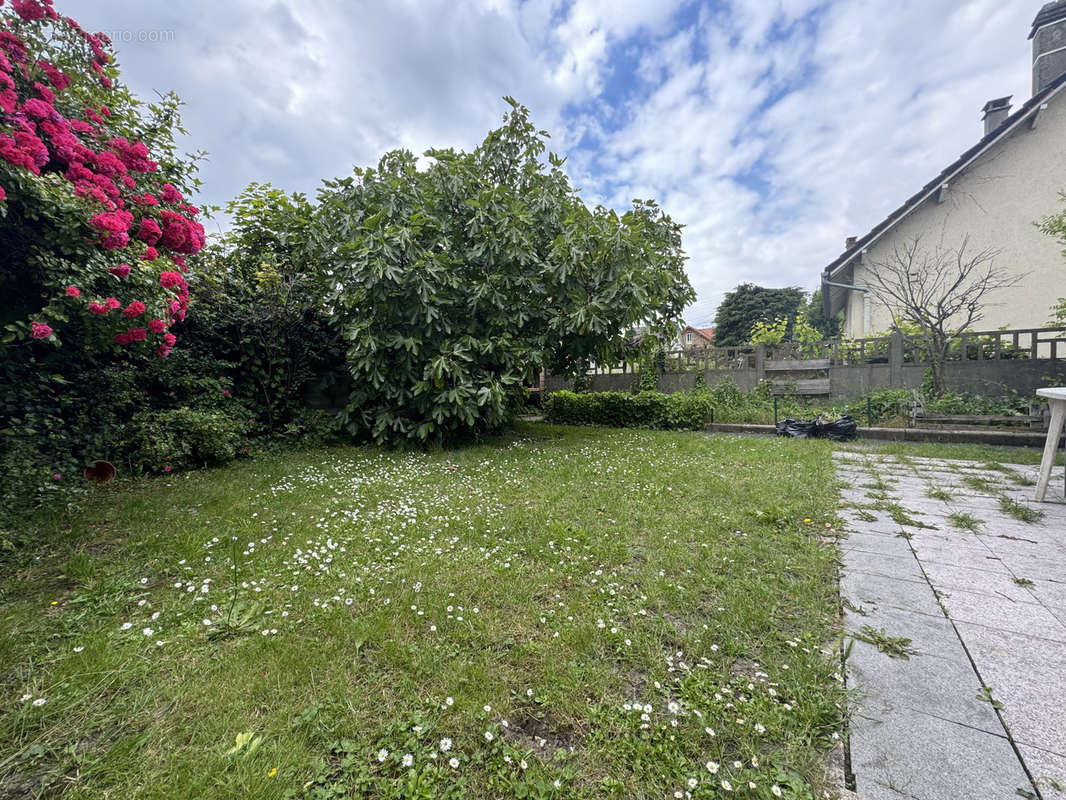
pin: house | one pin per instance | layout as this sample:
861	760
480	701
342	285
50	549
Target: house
695	337
990	197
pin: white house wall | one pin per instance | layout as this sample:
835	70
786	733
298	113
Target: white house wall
995	202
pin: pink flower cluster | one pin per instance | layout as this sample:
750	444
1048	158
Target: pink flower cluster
128	208
30	10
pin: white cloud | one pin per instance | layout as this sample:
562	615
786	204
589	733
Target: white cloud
771	129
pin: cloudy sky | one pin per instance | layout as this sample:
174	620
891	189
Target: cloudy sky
771	128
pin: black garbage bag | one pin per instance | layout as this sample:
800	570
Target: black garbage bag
840	431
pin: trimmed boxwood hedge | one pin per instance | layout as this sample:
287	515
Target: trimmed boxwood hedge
624	410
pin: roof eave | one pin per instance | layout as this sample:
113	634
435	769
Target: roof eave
1031	107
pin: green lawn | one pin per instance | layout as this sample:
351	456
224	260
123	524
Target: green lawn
565	612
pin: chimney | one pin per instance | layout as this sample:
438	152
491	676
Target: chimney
995	112
1049	45
849	242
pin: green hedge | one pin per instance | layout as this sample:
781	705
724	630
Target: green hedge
623	410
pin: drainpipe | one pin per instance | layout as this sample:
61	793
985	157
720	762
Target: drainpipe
865	300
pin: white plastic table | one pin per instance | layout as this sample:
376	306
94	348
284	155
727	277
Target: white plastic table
1057	401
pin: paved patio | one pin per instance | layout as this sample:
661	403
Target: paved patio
978	709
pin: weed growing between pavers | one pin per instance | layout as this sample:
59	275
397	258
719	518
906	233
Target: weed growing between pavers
1019	511
965	521
902	515
893	646
939	493
977	483
380	613
985	695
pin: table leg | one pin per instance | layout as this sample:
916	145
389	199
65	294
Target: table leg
1058	417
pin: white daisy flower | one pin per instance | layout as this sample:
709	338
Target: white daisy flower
407	760
383	754
453	763
445	745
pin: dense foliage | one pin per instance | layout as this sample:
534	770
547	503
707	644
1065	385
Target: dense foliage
884	408
828	327
806	338
454	284
747	305
91	205
258	312
94	231
680	411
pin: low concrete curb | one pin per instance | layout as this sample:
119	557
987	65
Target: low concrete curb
932	435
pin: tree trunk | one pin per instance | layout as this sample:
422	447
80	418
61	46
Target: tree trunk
938	363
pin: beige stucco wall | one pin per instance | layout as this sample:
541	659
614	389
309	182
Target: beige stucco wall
995	202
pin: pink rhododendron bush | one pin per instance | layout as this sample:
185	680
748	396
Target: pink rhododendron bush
95	227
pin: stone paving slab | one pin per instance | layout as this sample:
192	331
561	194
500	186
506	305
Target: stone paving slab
867	590
1025	674
973	557
894	566
935	678
1027	619
908	754
946	577
985	610
889	544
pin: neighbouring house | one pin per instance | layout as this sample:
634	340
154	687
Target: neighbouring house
691	338
991	196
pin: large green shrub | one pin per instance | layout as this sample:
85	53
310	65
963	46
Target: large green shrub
453	284
682	411
748	304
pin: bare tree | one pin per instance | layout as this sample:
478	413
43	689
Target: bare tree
942	291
